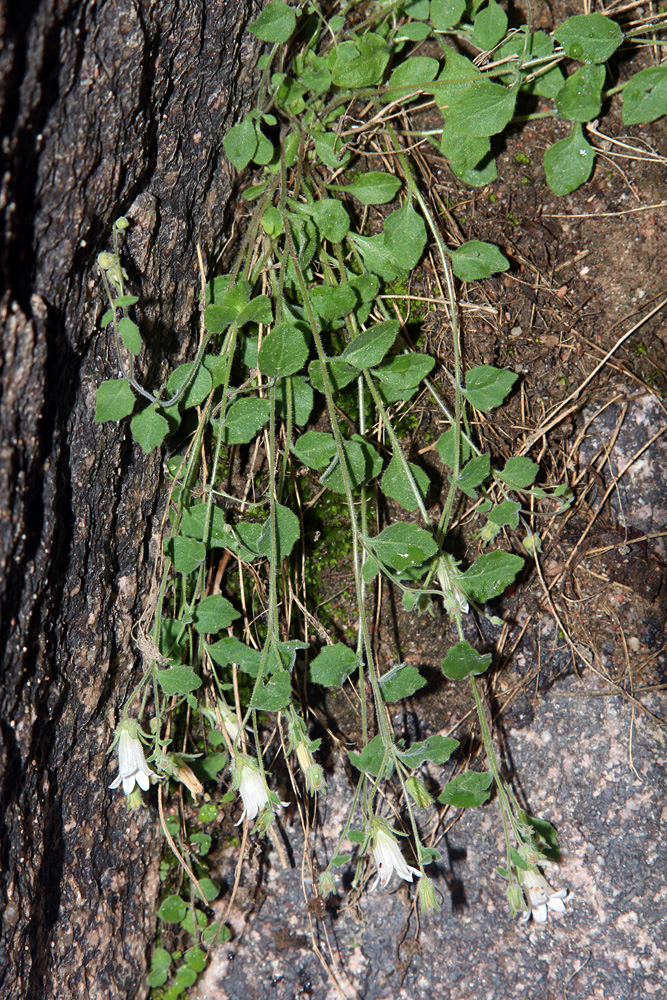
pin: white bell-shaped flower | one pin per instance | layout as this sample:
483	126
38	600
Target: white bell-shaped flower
132	766
388	858
540	897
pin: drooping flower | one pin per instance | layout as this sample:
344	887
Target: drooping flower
388	857
540	897
255	795
132	766
454	598
249	782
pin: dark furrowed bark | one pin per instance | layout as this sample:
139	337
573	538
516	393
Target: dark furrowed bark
106	109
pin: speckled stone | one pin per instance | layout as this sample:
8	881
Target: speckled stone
590	765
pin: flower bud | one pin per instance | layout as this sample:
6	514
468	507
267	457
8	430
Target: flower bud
417	790
428	900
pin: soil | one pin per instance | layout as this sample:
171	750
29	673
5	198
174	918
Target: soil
576	691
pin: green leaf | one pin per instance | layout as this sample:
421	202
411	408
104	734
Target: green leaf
490	575
202	843
274	694
400	376
473	475
209	767
645	96
125	301
178	680
446	448
217	366
208	813
370	347
366	286
419	9
457	77
188	926
288	532
506	514
283	352
397	485
149	429
213	614
185	553
290	93
463	661
400	682
332	303
184	978
200	384
339	372
519	473
156	978
403	546
195	957
211	891
405	236
362	461
590	38
438	749
240	143
272	221
316	77
464	151
486	172
330	218
446	13
160	959
315	449
130	335
230	650
371	759
537	45
173	638
283	656
374	188
569	162
193	522
483	109
276	22
413	74
360	63
490	26
215	934
229	304
340	860
266	151
258	310
469	789
377	256
301	391
114	399
244	419
172	910
487	387
330	149
476	259
580	99
333	665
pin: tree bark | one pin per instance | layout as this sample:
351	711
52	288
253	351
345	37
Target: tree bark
106	109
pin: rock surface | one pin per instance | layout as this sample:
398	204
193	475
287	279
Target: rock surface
595	769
